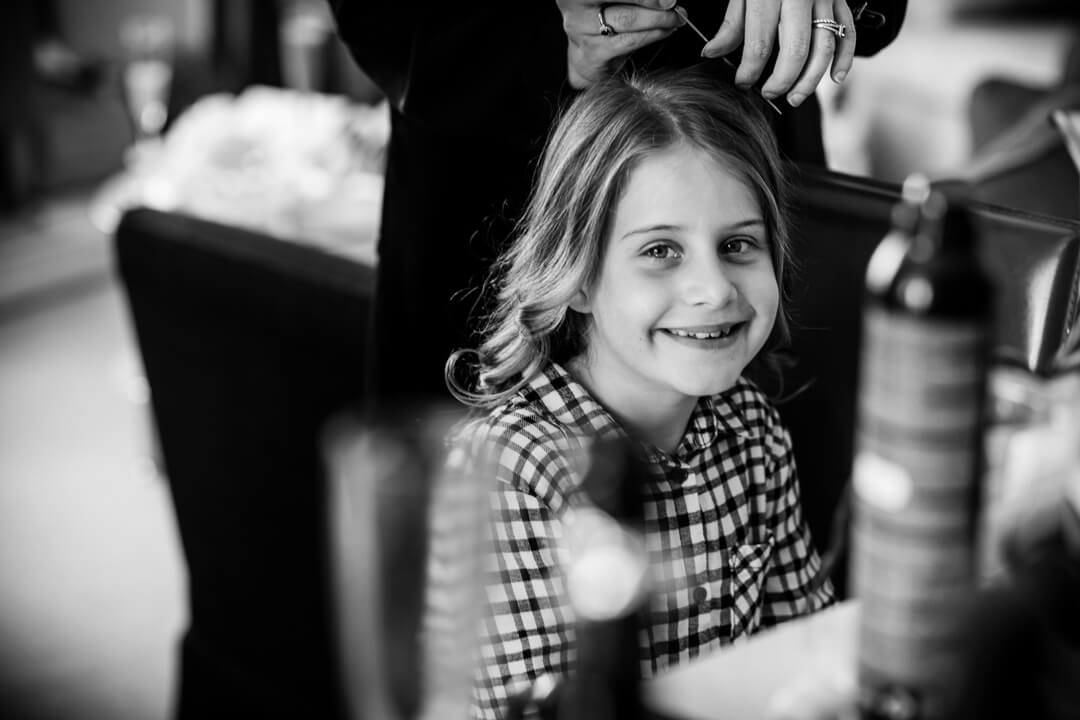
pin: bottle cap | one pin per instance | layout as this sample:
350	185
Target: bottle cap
905	214
916	189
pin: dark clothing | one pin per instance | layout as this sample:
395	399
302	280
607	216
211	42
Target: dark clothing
473	90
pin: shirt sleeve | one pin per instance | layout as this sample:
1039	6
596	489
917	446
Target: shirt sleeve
794	585
526	631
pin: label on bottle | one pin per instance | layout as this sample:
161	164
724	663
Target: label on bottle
915	482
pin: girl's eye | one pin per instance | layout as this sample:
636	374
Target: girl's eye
660	252
738	246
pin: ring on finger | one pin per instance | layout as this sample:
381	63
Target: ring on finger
837	29
605	29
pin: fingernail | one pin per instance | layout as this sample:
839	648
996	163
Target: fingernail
769	94
795	99
668	4
839	75
709	51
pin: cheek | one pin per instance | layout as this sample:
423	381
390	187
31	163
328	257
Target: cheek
764	295
632	306
774	299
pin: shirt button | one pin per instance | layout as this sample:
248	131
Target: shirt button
700	594
679	474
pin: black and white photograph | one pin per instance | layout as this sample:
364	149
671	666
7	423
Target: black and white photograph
539	360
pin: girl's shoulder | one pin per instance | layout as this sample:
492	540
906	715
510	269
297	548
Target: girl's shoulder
524	446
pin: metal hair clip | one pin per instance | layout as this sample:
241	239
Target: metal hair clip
868	19
681	11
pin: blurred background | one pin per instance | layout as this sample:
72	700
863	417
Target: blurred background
214	106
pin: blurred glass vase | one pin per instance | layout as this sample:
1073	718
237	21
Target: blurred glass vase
305	35
148	43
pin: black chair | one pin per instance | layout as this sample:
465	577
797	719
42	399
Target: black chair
249	344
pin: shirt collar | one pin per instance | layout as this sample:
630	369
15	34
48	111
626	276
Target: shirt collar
571	404
713	417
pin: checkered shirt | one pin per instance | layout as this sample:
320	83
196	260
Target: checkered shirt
728	547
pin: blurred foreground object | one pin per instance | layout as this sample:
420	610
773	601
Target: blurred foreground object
1033	465
1022	638
609	587
608	584
300	166
926	345
383	476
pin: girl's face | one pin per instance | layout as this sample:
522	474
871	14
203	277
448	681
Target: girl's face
686	295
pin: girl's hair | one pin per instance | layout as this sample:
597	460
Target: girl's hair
604	134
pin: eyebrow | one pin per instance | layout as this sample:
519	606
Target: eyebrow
741	225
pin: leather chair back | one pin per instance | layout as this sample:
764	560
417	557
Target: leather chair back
250	344
1034	261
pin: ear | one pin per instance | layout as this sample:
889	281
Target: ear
580	303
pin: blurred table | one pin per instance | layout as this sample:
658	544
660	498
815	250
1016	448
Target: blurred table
741	680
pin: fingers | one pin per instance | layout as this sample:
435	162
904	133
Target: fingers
796	35
845	48
624	18
759	34
730	34
592	60
825	49
804	53
592	56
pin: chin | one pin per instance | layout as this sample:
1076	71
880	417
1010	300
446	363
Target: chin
705	386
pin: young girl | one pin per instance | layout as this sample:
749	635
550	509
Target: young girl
643	285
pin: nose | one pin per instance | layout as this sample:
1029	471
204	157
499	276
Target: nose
708	282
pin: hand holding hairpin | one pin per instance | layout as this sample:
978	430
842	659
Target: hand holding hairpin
602	36
808	36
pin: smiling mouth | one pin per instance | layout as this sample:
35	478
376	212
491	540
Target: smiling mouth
711	333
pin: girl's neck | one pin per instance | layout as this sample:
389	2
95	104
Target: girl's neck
657	418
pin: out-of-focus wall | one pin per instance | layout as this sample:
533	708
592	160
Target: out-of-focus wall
907	108
92	27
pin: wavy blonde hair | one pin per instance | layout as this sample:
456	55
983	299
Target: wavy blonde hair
559	242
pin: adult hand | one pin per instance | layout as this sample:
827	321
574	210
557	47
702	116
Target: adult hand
592	56
805	52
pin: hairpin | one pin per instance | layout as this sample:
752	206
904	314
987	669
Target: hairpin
681	11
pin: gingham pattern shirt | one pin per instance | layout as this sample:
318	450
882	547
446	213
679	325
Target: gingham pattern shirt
723	526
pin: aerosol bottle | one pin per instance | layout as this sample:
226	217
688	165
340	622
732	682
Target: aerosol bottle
918	460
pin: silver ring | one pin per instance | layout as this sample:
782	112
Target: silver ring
837	29
605	29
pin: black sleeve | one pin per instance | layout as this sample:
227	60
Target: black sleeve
485	67
380	39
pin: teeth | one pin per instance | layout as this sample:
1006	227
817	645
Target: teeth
702	335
